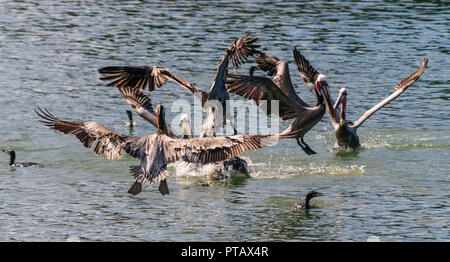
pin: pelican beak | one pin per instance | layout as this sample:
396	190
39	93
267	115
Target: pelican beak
342	94
319	87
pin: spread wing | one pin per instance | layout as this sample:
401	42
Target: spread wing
279	69
241	49
143	76
238	53
398	90
109	143
306	70
263	90
214	149
142	105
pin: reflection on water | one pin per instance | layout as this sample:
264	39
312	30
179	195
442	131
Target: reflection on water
394	188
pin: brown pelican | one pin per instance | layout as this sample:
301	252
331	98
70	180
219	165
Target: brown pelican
142	105
262	90
306	205
344	130
151	76
157	150
12	159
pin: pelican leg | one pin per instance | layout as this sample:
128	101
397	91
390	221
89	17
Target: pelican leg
305	147
135	189
163	188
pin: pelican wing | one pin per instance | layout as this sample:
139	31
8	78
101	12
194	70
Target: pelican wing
279	69
142	105
238	53
306	70
263	90
109	143
398	90
214	149
142	76
241	49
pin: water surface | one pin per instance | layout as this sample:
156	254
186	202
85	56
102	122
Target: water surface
396	187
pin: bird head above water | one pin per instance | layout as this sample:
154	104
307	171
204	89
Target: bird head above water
342	100
321	83
312	194
306	205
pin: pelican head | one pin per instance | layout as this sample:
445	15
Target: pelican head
342	94
343	101
321	83
185	126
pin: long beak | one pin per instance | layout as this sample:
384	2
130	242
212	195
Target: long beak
186	129
342	94
319	194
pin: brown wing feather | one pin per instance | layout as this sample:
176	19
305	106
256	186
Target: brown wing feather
398	90
241	49
263	89
109	143
405	83
135	76
140	77
214	149
142	105
306	70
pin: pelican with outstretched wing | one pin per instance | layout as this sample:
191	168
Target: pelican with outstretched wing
263	90
344	130
142	105
155	76
157	150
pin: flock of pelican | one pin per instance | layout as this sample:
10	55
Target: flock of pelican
155	151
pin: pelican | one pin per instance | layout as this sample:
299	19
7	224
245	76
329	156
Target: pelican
12	158
291	106
344	130
151	76
156	150
142	105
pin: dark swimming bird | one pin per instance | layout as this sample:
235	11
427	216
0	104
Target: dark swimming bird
142	105
130	122
263	90
156	150
12	155
155	76
344	130
306	205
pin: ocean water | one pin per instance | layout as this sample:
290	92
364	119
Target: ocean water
396	187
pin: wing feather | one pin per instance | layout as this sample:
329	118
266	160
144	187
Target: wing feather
306	70
140	77
262	91
109	143
398	90
142	105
